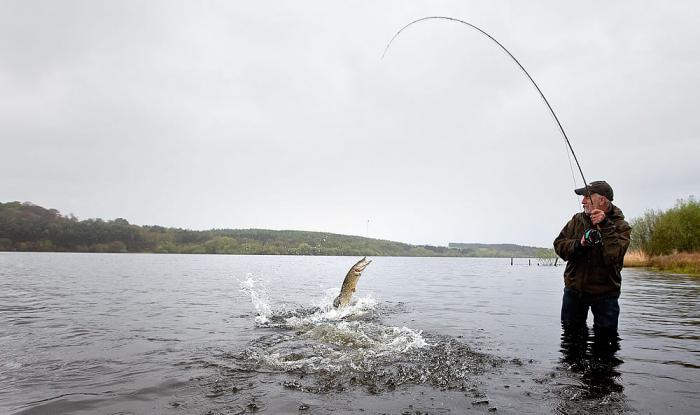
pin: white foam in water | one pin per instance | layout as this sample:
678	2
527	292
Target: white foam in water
406	339
258	295
327	313
374	338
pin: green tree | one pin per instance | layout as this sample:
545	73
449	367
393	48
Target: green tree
642	230
678	229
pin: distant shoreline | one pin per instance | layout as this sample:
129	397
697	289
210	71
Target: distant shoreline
25	227
255	254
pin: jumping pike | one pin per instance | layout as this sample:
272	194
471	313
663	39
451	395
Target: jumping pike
350	282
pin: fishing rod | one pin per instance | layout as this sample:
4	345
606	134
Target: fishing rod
561	129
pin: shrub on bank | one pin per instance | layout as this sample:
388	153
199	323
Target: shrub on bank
667	240
664	233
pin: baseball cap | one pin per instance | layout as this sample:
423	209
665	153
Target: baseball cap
601	187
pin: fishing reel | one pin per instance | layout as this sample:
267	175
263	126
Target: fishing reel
593	237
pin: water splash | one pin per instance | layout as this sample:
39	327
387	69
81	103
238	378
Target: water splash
258	295
322	311
363	308
331	349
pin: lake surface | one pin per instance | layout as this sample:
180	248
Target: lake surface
200	334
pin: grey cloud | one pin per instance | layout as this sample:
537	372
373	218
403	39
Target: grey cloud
281	115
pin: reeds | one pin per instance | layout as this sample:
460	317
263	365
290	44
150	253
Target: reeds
682	262
636	258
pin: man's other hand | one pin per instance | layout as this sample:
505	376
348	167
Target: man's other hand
597	216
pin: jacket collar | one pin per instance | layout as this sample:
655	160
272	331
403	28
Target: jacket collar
614	213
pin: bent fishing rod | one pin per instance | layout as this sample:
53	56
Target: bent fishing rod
452	19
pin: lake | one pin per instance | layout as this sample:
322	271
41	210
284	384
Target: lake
208	334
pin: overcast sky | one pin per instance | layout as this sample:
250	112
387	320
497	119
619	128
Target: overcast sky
281	115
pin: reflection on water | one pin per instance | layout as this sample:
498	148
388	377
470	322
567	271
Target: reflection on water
590	357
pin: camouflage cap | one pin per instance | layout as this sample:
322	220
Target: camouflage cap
601	187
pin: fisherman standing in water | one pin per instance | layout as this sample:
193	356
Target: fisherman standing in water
593	243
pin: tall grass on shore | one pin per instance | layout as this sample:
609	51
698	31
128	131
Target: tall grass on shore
682	262
636	258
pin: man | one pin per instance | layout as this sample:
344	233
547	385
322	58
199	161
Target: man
594	260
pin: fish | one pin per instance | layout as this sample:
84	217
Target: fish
349	283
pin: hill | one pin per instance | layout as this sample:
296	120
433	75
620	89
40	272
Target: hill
28	227
498	250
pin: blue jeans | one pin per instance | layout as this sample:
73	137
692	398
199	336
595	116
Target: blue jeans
574	309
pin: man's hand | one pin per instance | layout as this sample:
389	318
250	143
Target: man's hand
583	240
597	216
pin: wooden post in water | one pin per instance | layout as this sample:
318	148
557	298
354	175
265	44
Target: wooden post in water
511	262
528	262
555	261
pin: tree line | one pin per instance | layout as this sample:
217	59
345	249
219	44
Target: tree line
28	227
667	232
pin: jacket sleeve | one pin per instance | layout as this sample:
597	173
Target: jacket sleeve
567	245
616	240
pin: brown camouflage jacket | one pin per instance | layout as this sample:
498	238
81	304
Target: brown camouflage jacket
594	269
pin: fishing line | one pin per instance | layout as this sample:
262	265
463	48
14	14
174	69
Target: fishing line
556	119
573	176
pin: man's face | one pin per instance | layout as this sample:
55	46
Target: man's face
596	201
